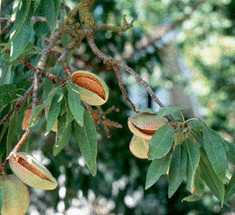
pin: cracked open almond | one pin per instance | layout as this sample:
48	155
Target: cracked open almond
93	90
139	147
145	124
31	172
15	195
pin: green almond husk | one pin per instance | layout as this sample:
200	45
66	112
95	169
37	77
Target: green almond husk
31	172
139	147
15	195
145	124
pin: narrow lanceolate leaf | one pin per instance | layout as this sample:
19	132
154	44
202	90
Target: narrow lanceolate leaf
21	39
164	111
1	199
75	103
87	142
209	176
156	169
54	111
62	140
231	152
193	157
51	10
39	108
215	151
198	191
230	189
177	170
161	142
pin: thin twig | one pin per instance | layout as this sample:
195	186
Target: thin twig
123	90
19	103
7	26
9	22
47	74
23	61
113	62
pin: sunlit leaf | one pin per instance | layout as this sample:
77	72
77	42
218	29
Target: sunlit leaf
177	172
75	103
87	142
193	157
54	111
156	169
210	177
215	151
161	142
63	138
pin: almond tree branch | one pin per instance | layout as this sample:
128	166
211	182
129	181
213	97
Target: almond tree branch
18	104
9	22
123	90
114	62
39	69
31	67
98	118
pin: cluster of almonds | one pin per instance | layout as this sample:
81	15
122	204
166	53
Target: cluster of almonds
92	89
27	170
143	126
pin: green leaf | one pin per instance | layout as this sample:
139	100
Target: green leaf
215	151
198	191
62	138
196	124
21	39
193	157
6	75
7	88
230	189
231	152
11	133
210	177
165	111
21	14
54	110
51	11
161	142
69	115
177	170
87	141
156	169
7	94
39	108
1	199
75	103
